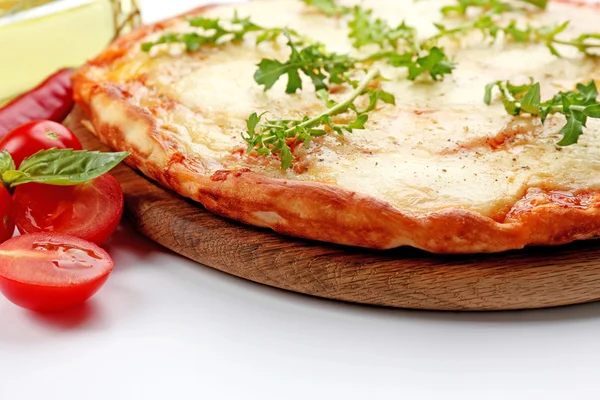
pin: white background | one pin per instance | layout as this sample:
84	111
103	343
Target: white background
166	328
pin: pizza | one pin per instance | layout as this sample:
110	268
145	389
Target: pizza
429	165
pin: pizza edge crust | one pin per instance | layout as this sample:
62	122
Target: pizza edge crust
311	210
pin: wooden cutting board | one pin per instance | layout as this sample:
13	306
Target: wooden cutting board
405	277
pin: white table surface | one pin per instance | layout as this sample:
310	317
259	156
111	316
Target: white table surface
164	327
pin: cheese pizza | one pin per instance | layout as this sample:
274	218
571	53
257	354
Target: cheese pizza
388	141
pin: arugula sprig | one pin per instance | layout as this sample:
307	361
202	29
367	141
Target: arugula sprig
576	105
312	60
325	68
538	3
274	137
366	29
432	61
487	6
399	46
216	31
328	7
529	34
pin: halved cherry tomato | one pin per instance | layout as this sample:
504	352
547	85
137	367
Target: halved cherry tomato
90	211
7	224
51	272
27	139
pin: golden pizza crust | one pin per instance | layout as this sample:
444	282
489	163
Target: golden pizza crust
314	210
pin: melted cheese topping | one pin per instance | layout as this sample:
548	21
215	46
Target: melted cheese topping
430	151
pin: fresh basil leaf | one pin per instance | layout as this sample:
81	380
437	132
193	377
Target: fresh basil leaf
11	176
6	162
63	167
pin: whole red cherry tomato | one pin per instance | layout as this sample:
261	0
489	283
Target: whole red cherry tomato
7	224
51	272
27	139
90	211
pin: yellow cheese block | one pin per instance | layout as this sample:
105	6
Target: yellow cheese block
38	41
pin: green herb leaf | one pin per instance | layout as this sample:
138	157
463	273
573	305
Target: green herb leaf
312	60
358	123
252	121
487	97
419	57
375	96
215	31
511	107
589	92
488	6
323	95
571	131
6	162
577	106
531	100
538	3
366	30
62	167
271	34
592	111
399	59
436	63
328	7
269	72
490	28
273	137
519	90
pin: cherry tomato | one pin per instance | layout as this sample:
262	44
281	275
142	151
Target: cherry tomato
51	272
27	139
90	211
7	224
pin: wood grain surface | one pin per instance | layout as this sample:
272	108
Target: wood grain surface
404	277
